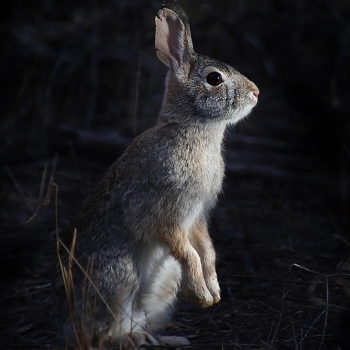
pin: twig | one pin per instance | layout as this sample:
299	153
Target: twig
311	326
49	189
19	189
326	317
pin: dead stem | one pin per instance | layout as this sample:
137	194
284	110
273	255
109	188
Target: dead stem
50	188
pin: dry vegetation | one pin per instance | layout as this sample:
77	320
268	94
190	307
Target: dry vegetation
80	79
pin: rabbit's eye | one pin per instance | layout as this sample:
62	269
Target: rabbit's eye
214	78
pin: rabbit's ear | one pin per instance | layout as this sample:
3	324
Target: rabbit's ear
173	39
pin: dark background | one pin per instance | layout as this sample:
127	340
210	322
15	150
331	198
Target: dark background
80	79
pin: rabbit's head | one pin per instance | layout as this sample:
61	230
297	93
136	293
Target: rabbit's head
199	89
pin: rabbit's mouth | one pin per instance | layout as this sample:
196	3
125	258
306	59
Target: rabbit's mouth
254	96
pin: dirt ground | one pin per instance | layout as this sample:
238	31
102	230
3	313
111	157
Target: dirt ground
80	79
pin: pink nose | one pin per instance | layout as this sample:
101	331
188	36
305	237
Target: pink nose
256	93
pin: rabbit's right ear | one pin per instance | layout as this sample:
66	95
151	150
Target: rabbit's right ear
173	40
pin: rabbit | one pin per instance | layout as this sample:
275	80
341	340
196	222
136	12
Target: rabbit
143	232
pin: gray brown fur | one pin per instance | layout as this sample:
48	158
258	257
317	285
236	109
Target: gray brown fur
144	228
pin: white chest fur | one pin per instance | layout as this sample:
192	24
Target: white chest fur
192	215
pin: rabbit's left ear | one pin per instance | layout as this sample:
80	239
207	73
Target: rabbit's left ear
173	41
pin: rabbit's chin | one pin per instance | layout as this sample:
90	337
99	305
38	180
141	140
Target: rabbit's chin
240	113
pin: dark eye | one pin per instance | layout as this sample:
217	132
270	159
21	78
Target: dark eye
214	78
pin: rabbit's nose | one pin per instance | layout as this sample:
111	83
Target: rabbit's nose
253	94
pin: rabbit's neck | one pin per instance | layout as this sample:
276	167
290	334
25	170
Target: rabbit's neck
205	136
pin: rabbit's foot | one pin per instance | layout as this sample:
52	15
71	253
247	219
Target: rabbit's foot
197	295
214	289
135	340
173	341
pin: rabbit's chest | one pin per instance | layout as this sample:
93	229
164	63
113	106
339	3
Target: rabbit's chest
210	173
202	199
204	183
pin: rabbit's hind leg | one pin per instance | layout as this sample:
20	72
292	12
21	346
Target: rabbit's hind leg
130	320
159	297
150	309
158	303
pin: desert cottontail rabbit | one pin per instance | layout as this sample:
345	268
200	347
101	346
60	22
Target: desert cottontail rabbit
143	231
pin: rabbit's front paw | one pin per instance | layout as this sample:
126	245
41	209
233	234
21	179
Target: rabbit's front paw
214	289
197	295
